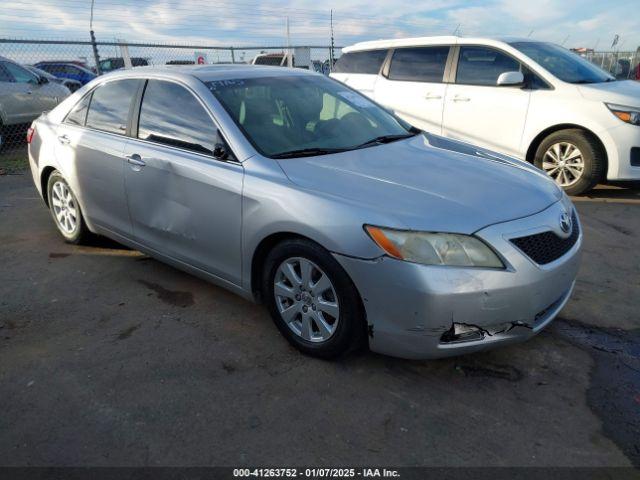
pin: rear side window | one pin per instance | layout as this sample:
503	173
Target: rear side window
483	66
425	64
360	62
110	104
78	115
171	115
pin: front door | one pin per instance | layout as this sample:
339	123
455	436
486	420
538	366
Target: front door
17	98
414	87
184	203
478	111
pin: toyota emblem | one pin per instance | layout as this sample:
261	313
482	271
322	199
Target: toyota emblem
565	222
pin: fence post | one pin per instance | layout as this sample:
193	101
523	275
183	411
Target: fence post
233	57
94	45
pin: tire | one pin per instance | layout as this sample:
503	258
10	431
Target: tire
590	164
63	217
348	326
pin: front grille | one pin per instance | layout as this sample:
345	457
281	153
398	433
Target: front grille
546	247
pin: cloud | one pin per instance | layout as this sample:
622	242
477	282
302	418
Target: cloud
254	22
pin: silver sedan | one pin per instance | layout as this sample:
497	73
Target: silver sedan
290	188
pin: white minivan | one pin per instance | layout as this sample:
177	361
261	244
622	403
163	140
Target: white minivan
532	100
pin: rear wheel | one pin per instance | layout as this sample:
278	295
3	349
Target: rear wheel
312	300
65	210
573	158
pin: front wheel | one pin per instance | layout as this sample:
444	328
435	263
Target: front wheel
573	158
312	300
65	210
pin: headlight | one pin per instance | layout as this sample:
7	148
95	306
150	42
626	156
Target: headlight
626	114
435	248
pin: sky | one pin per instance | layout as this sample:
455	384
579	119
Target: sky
574	23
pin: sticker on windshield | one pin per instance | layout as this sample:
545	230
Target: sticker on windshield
356	99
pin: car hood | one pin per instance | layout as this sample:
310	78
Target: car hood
419	186
625	92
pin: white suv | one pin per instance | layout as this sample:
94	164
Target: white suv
533	100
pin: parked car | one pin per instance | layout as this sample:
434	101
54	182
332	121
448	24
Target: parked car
23	97
115	63
272	59
532	100
289	188
622	69
72	85
181	62
69	70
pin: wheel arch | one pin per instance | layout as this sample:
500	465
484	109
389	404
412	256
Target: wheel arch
44	180
260	254
538	139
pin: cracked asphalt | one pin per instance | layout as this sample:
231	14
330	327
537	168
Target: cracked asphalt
110	358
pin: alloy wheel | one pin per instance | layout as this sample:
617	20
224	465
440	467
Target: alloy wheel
564	162
306	299
64	206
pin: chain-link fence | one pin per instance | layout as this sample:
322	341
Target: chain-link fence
36	74
622	65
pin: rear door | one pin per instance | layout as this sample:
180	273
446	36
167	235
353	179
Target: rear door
360	70
184	203
91	143
413	85
480	112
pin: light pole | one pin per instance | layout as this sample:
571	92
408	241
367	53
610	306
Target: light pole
94	45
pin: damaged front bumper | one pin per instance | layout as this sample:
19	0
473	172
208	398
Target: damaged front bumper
420	311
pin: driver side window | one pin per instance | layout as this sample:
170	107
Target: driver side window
483	66
19	74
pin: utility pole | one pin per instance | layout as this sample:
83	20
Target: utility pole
331	52
289	59
94	45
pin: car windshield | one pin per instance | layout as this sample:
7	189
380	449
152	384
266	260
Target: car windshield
294	116
562	63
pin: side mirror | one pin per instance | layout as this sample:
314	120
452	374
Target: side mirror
220	151
43	80
510	79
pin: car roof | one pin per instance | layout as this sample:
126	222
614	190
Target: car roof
425	41
208	73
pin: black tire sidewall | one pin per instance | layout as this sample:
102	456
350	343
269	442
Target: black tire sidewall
81	230
351	326
592	155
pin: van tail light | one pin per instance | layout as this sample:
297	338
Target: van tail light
30	133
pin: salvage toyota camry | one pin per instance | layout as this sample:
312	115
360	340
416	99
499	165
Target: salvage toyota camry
291	189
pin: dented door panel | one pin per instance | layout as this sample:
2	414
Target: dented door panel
187	206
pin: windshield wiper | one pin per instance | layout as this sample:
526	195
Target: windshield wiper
308	152
385	139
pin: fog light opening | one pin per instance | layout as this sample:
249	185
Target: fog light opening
461	332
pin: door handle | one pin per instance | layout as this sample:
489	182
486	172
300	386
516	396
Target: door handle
64	140
135	161
431	96
458	98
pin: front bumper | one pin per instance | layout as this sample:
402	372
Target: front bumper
618	142
409	306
